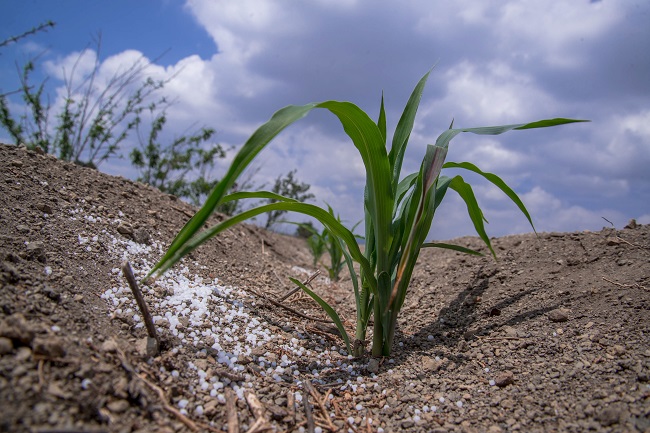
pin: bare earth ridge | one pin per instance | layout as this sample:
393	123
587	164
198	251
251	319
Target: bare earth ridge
555	336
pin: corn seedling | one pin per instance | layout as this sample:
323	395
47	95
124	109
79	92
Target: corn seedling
398	211
318	243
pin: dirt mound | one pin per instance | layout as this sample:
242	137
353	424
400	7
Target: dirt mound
552	337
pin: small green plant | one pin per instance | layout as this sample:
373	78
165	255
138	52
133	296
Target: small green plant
318	243
398	211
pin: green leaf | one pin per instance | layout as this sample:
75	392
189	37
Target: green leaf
404	128
381	122
451	247
497	181
330	312
260	138
476	215
367	138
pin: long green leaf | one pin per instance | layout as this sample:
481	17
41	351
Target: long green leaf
449	134
320	214
496	180
476	215
367	138
260	138
330	312
451	247
404	128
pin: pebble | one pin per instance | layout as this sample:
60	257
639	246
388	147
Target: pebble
49	347
16	328
504	379
6	346
109	346
558	315
373	366
609	416
118	406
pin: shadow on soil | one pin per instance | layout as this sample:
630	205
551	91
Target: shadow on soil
454	324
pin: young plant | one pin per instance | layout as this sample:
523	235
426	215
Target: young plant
318	243
398	211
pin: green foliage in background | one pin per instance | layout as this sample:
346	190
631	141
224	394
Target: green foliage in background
398	210
168	166
289	187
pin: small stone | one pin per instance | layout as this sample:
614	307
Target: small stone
210	408
243	360
6	346
118	406
125	229
55	389
109	346
618	350
23	354
9	272
22	228
504	379
44	207
612	241
141	236
36	251
373	366
609	416
558	315
509	331
431	364
16	328
49	347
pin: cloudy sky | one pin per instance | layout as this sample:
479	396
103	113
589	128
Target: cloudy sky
498	62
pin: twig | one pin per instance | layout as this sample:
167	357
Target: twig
41	375
231	410
497	338
320	402
278	304
255	405
126	365
146	316
258	411
626	286
291	407
295	289
310	417
169	408
182	211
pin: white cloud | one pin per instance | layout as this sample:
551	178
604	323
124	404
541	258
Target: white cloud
499	62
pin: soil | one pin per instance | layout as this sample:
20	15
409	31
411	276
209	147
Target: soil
554	336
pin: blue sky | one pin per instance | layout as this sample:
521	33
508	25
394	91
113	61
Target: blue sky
498	62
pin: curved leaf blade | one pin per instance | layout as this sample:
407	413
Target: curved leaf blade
498	182
453	247
466	192
329	310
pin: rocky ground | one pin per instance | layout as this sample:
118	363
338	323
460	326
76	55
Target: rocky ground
555	336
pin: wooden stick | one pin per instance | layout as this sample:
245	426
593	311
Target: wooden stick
310	417
291	407
321	404
231	411
255	405
278	304
146	316
295	289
